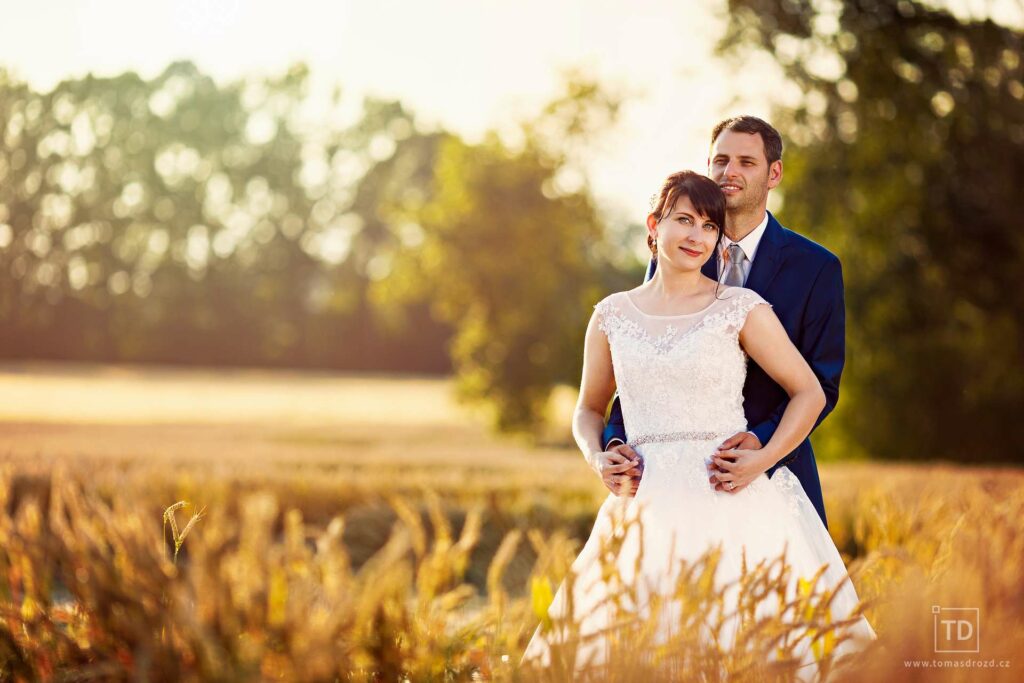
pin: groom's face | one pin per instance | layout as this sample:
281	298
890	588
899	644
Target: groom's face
739	165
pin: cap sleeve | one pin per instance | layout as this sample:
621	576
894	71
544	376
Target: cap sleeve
607	312
742	302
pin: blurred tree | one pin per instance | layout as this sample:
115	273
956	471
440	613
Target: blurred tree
507	247
906	156
177	220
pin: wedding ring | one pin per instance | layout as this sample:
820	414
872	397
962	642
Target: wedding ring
729	485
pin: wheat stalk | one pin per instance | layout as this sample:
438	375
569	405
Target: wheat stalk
179	537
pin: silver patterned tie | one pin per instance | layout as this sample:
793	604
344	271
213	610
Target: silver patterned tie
734	271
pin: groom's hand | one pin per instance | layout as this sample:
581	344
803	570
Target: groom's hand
635	473
620	469
746	441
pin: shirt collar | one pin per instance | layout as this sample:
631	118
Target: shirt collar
749	243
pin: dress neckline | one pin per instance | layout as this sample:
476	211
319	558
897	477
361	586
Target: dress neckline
677	315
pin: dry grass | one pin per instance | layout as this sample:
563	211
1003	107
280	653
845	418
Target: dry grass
426	552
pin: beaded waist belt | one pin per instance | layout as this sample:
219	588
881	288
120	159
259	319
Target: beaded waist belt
678	436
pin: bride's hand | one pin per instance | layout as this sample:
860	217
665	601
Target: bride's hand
737	467
620	469
747	441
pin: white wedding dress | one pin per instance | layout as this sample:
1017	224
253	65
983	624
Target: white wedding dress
680	382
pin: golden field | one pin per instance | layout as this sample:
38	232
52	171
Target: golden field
367	528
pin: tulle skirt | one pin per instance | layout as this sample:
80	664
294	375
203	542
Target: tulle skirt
674	519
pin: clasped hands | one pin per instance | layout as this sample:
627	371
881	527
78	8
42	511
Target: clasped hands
738	460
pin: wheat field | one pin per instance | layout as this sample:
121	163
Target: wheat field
363	528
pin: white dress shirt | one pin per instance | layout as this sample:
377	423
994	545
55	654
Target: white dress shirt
749	246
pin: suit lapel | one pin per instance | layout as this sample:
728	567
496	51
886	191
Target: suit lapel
768	257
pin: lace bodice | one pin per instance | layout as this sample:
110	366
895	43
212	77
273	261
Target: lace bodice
680	373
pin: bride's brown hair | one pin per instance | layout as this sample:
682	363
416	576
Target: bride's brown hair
705	195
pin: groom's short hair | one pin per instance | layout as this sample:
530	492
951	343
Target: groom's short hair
751	124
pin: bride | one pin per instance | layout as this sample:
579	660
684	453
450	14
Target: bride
676	348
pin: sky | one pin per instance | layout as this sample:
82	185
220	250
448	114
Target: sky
468	66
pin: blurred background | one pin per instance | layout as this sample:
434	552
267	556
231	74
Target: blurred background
359	193
320	272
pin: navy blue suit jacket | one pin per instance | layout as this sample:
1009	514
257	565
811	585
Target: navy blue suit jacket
804	283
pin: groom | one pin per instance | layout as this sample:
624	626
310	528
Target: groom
801	279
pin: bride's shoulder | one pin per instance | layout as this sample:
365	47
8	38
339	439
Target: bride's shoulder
611	311
734	305
737	302
741	295
612	300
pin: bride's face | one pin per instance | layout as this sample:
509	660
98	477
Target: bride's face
686	238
